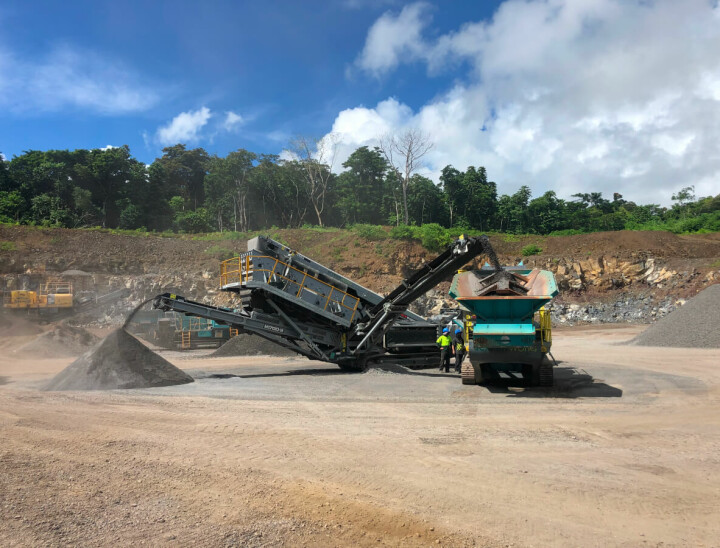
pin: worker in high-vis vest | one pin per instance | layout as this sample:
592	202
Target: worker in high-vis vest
445	345
459	344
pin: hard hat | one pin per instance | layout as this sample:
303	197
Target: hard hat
445	330
458	330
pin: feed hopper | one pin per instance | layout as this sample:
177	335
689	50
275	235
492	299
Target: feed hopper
512	330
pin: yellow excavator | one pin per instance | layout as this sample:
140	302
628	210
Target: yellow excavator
53	295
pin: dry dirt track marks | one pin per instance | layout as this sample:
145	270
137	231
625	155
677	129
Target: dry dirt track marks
132	483
280	452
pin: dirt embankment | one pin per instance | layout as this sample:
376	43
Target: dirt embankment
624	276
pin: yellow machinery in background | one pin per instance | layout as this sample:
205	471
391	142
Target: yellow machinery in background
52	295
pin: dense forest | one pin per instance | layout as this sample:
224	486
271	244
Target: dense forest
189	190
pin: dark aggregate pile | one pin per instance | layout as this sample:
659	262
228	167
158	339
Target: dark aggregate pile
694	325
251	345
119	361
61	341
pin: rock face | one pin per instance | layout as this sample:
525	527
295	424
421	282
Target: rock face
615	271
119	361
695	325
611	273
627	308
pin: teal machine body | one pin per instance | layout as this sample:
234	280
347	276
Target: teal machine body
511	331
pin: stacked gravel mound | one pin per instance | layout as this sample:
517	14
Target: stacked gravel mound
119	361
251	345
694	325
60	342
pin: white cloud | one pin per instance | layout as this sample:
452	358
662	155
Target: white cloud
232	121
288	155
561	95
675	145
363	4
278	135
108	147
184	128
394	38
70	78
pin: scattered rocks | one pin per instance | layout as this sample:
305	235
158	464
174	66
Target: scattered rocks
629	308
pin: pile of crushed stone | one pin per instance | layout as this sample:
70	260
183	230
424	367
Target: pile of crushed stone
694	325
251	345
17	326
60	342
119	361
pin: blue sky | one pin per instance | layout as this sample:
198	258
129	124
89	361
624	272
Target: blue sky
283	67
610	95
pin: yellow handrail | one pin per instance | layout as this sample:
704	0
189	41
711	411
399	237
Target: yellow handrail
545	325
228	276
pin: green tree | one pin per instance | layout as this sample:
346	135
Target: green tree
6	183
546	214
683	198
280	197
512	211
479	198
185	172
451	184
108	174
361	188
11	206
425	201
227	188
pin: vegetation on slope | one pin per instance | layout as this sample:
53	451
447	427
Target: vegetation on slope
189	191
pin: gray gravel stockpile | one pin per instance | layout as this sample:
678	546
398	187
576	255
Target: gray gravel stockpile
119	361
60	342
694	325
251	345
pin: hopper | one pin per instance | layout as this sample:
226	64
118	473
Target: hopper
512	295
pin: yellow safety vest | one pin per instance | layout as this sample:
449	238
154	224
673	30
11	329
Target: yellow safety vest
443	341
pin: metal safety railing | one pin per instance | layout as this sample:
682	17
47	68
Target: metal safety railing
545	321
240	270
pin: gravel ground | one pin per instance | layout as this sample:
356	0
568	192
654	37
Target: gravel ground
695	325
261	451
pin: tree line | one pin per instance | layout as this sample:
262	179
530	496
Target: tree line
189	190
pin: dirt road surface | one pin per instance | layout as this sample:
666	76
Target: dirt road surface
623	451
